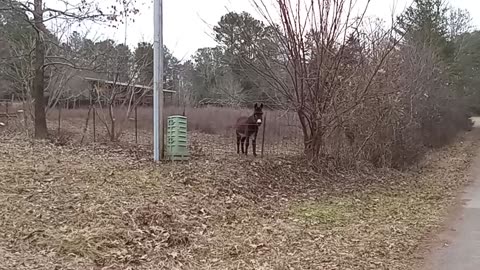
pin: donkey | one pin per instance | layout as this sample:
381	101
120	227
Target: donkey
248	127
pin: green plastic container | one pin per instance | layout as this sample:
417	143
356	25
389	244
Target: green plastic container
177	144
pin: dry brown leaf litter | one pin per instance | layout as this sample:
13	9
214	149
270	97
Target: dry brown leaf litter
108	208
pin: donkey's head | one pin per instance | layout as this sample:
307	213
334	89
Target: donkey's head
258	113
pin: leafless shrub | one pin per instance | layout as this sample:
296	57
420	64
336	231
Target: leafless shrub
408	110
113	99
325	70
361	93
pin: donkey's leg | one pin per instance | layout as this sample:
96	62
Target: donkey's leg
239	138
246	146
243	143
254	143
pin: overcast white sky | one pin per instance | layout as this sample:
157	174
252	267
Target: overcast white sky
188	23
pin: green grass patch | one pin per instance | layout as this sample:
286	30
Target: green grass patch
337	212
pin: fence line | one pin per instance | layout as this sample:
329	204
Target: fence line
211	129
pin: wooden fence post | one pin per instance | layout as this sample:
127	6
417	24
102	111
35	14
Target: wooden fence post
59	107
6	111
94	124
136	125
263	133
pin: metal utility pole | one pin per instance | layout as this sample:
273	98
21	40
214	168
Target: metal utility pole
158	143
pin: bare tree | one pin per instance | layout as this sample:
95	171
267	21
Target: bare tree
59	69
37	14
229	91
118	97
18	70
324	69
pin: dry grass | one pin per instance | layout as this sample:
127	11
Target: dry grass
211	129
209	120
108	208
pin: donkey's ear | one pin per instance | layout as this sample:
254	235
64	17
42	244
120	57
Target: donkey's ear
261	105
255	106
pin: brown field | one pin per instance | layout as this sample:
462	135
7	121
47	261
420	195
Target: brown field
108	207
65	205
211	128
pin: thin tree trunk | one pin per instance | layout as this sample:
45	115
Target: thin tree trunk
59	124
41	131
312	146
313	138
112	119
86	123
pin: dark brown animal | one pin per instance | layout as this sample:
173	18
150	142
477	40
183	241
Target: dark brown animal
248	127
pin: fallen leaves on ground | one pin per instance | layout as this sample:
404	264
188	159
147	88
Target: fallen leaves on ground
101	207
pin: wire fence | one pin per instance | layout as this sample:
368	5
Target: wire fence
6	111
211	130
